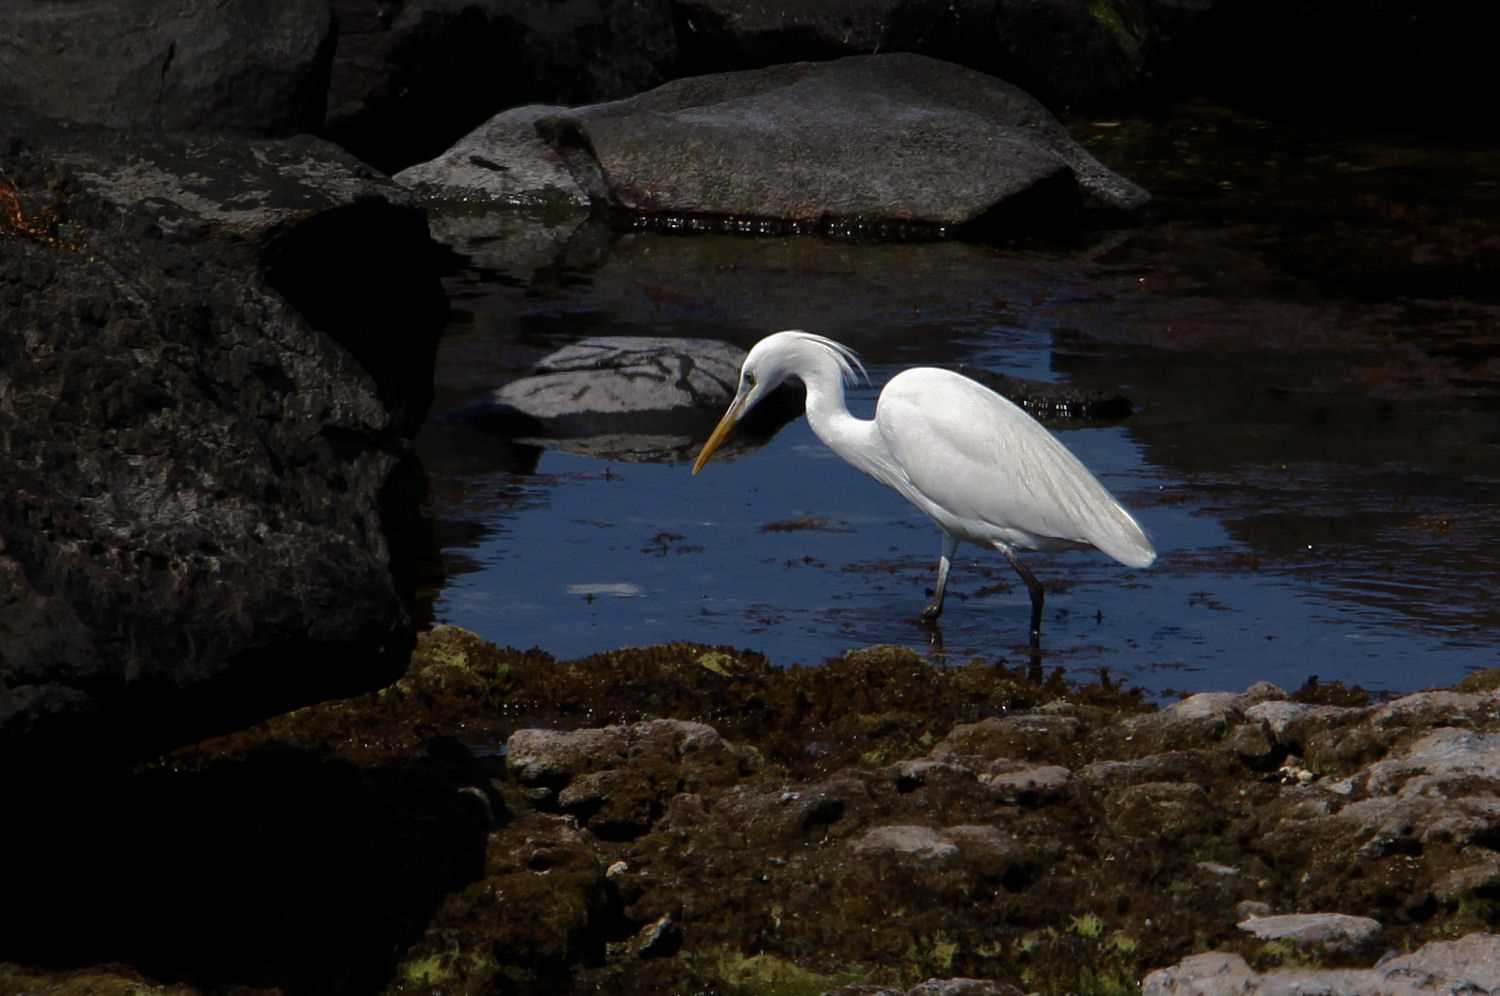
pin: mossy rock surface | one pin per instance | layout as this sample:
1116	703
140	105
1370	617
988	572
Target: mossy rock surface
684	818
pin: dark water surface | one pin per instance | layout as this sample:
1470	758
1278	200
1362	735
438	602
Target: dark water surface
1309	326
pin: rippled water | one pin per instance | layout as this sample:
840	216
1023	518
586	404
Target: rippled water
1309	326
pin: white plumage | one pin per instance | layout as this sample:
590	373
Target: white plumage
977	465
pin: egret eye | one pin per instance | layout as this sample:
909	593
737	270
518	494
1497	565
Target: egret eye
749	378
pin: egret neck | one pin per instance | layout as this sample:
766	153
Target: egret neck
853	439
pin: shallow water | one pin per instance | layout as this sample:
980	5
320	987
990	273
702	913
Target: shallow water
1309	327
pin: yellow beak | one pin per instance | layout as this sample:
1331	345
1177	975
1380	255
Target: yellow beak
720	431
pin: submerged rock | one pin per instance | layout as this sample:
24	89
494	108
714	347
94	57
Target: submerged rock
606	377
625	397
867	141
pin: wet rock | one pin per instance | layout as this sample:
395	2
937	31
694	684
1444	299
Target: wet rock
877	856
1198	719
911	775
918	844
1017	781
1162	809
623	397
1215	868
1482	873
794	144
1334	931
1445	759
986	752
1252	743
983	850
212	65
1291	724
212	364
962	987
1471	963
932	987
410	78
790	813
989	851
660	939
1441	791
550	869
1345	747
1426	708
533	173
1023	736
1389	826
617	779
625	375
1167	766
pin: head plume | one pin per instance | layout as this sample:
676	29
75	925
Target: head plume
851	369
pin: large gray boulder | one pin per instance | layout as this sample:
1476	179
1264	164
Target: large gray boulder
214	355
222	65
900	140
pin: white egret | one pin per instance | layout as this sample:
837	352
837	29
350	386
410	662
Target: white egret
976	464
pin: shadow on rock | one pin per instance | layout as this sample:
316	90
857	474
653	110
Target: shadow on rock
284	869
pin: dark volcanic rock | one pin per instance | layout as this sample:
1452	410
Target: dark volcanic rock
410	78
213	357
222	65
533	174
679	818
1064	51
1388	63
892	140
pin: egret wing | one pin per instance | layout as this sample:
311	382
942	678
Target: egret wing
985	470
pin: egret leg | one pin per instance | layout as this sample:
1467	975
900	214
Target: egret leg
945	560
1037	595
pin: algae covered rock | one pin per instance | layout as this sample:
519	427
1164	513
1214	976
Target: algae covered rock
691	819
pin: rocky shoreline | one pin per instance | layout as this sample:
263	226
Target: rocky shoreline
694	819
218	326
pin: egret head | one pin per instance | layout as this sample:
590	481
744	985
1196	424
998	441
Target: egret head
769	363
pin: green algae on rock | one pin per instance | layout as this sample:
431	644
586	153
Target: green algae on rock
641	822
